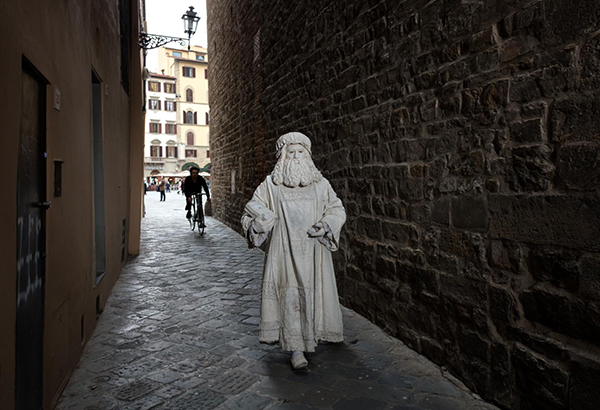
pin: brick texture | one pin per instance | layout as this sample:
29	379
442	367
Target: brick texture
464	140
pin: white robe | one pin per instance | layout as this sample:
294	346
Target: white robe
299	304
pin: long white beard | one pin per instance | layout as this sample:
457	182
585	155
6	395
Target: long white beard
294	172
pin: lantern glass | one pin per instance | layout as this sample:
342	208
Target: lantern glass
190	21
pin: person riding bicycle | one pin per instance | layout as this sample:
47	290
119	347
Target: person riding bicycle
193	185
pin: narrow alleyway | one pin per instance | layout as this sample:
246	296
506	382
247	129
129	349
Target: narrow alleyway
180	332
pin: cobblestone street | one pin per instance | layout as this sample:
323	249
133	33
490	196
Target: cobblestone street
179	331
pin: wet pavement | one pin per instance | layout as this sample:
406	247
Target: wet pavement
179	331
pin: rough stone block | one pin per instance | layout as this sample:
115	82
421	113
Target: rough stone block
584	384
503	306
532	168
569	221
579	167
420	213
505	257
541	344
369	227
557	267
565	22
386	267
590	63
473	345
556	80
562	313
470	212
524	88
410	189
576	118
462	291
500	376
590	277
545	383
534	109
397	232
441	211
526	132
454	242
421	280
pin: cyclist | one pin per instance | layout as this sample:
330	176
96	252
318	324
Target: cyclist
194	185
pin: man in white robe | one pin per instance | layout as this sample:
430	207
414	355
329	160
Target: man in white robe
296	217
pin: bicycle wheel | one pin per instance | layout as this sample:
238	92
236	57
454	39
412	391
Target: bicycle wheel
193	220
201	224
200	215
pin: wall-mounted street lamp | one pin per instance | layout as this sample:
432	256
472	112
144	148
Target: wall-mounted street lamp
190	22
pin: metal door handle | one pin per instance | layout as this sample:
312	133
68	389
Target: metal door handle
45	205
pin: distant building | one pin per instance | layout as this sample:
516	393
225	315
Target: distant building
161	150
190	68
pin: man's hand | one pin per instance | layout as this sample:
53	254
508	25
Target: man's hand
316	231
263	223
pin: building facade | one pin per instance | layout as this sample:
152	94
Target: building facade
162	152
72	167
463	140
190	68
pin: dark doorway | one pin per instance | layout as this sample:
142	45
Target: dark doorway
100	240
31	230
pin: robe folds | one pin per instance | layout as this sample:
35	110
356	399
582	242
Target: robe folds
299	303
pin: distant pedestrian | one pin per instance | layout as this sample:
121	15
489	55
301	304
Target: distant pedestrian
162	188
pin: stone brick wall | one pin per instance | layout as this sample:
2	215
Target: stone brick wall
464	140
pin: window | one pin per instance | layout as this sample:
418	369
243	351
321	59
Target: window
189	117
155	151
171	129
155	127
154	104
189	72
190	138
177	54
190	153
207	117
172	152
170	88
154	86
206	73
199	57
189	95
169	105
207	153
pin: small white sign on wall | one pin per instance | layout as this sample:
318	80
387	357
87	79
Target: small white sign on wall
56	99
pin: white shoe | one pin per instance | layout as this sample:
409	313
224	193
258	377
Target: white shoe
299	361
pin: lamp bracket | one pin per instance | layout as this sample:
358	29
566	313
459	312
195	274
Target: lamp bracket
150	41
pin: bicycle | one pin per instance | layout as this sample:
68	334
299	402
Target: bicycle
197	213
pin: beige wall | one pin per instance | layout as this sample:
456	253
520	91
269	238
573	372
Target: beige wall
65	41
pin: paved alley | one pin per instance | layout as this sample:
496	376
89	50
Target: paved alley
180	332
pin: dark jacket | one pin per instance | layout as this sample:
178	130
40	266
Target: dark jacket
189	188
